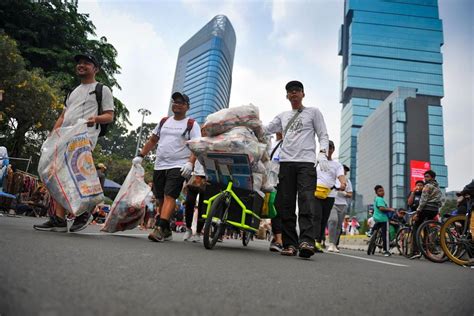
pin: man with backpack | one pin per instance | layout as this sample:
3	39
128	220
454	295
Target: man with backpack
93	102
174	161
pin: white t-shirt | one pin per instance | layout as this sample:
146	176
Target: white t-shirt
340	198
82	103
172	151
299	143
328	178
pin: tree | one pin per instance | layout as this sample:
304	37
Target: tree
448	206
30	104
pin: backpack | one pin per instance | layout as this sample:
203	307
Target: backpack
98	96
189	126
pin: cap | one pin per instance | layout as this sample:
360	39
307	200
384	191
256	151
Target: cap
101	166
346	168
331	144
89	57
347	216
294	84
179	95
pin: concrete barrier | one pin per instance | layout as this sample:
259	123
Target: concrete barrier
355	242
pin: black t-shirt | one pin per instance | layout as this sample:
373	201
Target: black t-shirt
416	201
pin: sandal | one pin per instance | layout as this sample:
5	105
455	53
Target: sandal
289	251
306	250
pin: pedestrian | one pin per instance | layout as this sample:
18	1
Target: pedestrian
276	244
82	103
297	176
338	211
174	161
325	195
354	226
428	207
194	187
415	196
381	218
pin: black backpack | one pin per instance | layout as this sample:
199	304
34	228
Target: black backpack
98	96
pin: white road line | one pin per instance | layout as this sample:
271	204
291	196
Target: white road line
367	259
111	234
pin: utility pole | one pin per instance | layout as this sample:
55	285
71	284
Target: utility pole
143	112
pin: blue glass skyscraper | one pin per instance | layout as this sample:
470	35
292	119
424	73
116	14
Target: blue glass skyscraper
387	44
204	68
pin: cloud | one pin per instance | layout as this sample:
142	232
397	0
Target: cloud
147	65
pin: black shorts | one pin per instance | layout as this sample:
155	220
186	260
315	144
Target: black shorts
167	182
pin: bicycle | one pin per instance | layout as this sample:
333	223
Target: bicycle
428	241
456	237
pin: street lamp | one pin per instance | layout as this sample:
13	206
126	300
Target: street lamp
143	112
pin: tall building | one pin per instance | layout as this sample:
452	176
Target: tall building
387	44
204	68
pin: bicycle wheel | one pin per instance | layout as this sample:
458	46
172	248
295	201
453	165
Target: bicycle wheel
373	242
428	241
455	240
246	237
402	241
214	224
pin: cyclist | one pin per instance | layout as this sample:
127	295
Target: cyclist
415	196
428	208
381	217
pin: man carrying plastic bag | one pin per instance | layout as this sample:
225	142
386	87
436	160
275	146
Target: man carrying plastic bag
128	208
66	165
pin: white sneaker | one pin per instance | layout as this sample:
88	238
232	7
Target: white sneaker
187	235
333	248
196	238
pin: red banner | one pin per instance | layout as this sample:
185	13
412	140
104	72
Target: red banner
417	171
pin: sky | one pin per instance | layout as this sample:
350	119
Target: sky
277	41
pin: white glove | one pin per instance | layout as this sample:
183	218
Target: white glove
137	160
186	170
323	162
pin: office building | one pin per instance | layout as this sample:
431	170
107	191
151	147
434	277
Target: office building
204	68
387	46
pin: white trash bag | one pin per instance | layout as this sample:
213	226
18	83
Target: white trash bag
128	208
67	169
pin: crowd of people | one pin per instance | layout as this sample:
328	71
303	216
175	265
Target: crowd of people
307	176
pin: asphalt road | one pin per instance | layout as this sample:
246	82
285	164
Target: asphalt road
92	273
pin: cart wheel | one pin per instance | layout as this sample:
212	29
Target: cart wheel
214	228
246	237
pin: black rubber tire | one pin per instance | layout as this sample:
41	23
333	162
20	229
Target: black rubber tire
402	241
428	241
213	230
373	242
454	241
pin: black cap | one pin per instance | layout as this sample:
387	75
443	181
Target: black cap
89	57
179	95
331	144
294	84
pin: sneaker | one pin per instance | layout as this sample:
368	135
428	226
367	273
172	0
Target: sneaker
332	248
416	256
387	253
276	246
306	250
318	247
159	234
187	235
54	224
81	222
195	238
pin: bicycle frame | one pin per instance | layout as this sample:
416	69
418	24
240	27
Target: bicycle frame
245	212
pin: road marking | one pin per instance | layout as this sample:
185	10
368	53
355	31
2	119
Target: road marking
112	234
372	260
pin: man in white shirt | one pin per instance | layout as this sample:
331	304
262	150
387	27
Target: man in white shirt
297	173
82	103
174	161
338	211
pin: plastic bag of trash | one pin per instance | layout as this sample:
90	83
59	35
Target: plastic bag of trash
67	169
226	119
237	140
129	205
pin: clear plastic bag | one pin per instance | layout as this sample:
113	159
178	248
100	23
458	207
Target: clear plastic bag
238	140
226	119
129	205
67	169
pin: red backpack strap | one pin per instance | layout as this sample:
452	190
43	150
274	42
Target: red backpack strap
189	127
